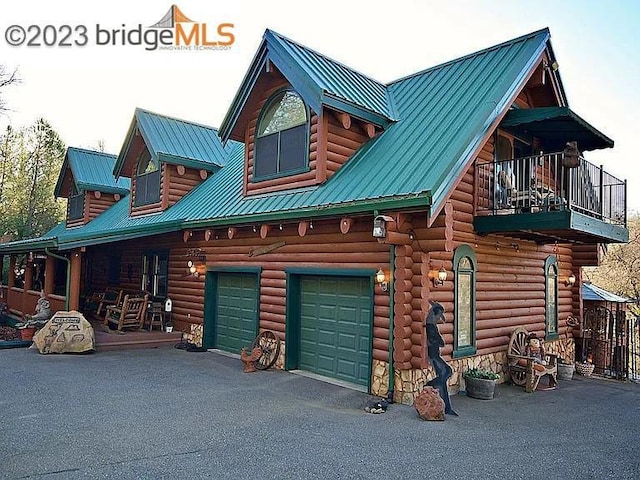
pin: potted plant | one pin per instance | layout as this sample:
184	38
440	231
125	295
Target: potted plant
168	325
480	383
565	369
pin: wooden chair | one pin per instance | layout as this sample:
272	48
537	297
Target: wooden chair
107	299
130	314
524	370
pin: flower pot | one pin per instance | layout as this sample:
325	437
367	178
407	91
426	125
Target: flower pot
168	329
565	371
480	388
27	333
584	368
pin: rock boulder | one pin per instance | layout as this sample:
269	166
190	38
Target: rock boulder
429	404
65	332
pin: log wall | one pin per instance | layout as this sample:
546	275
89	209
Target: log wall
510	280
341	142
180	180
98	202
324	246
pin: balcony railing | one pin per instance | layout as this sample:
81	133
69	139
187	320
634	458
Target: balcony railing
541	183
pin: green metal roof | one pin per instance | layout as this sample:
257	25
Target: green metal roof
557	125
318	79
48	240
444	115
175	141
591	292
91	171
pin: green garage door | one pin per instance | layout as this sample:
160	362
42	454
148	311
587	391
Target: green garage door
236	311
335	321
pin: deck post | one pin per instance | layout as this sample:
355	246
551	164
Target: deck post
74	284
49	274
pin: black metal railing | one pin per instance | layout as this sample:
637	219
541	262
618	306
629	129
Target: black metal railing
542	183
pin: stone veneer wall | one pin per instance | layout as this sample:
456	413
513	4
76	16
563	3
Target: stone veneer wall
409	383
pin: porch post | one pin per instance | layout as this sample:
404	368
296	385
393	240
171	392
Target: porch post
11	276
28	275
74	281
49	274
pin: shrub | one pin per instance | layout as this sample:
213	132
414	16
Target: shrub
481	373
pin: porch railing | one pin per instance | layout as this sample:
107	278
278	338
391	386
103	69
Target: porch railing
541	183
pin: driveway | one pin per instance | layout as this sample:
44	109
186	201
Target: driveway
168	413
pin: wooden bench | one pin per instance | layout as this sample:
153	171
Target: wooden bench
130	314
523	369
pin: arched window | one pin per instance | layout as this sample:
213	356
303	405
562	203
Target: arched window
464	267
147	189
551	297
282	136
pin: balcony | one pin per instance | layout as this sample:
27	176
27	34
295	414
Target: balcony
538	198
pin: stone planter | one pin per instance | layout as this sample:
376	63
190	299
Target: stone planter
565	371
480	388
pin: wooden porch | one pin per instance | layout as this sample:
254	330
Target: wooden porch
132	339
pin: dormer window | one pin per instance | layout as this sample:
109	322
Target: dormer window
76	204
282	136
147	189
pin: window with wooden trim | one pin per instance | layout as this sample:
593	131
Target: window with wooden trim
76	204
282	137
464	267
155	273
551	297
147	180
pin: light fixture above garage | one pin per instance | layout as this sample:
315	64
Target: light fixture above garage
381	279
196	261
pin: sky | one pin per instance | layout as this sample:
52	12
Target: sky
89	92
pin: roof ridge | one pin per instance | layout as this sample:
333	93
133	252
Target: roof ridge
326	57
177	119
94	152
473	54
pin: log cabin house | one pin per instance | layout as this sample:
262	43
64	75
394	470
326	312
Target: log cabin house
331	209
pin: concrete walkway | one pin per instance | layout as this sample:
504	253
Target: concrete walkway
167	413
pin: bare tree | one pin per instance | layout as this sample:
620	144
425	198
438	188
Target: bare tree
619	271
7	78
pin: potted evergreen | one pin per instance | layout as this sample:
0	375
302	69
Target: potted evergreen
480	383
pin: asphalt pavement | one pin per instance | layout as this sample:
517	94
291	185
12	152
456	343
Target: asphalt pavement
169	413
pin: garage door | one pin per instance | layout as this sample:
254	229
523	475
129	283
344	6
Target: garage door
236	311
335	322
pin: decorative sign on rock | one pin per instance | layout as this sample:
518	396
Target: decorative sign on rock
65	332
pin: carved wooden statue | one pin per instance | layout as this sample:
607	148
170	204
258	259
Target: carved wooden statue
434	342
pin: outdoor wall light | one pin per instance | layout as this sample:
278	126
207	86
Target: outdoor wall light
381	279
380	226
196	261
570	281
438	277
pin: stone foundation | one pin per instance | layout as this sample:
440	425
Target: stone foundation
409	383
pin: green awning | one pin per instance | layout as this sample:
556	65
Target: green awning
555	126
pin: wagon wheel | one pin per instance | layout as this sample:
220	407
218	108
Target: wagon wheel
517	346
270	346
